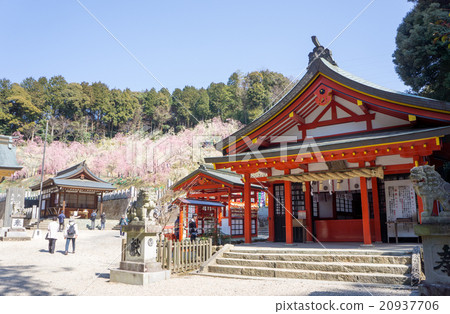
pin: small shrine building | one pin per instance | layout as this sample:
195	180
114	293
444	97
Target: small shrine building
8	161
75	191
336	152
216	196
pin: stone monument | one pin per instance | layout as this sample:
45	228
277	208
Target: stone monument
434	230
138	265
16	231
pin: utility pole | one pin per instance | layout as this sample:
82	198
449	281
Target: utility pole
42	177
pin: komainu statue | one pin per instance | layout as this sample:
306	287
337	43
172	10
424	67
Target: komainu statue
145	207
429	185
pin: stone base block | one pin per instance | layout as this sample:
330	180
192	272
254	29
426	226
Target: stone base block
433	289
138	278
140	267
16	234
11	238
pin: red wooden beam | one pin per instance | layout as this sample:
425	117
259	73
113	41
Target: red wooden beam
337	121
258	180
297	118
209	194
207	187
394	169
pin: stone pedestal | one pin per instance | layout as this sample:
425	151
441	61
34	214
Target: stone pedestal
16	232
138	265
436	253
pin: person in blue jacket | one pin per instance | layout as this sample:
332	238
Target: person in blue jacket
123	222
61	218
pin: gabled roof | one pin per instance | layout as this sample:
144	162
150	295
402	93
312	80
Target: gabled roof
8	161
78	176
224	175
325	67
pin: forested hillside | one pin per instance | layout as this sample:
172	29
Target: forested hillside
84	112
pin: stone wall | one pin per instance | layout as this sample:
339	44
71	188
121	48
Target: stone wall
114	209
2	212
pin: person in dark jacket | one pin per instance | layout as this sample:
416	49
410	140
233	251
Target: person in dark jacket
61	218
93	217
102	221
193	227
123	222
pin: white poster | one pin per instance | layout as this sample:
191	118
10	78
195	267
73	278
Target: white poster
400	203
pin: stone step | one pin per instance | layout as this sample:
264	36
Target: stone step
322	251
319	266
43	224
305	257
309	274
231	276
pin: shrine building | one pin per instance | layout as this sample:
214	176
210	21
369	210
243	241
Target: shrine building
335	154
75	191
8	162
216	196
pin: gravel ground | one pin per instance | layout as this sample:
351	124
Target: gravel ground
26	268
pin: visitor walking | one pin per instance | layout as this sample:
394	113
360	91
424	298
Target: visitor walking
193	228
102	221
51	235
61	218
123	222
70	234
93	217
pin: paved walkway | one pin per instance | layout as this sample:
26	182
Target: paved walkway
26	268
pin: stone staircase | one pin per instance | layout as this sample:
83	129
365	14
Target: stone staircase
43	224
363	266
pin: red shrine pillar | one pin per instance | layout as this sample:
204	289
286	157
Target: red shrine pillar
365	209
247	209
308	207
271	214
180	224
288	212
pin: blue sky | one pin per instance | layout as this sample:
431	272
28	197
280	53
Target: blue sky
194	42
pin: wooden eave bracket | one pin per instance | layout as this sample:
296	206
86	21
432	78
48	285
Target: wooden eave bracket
294	116
363	106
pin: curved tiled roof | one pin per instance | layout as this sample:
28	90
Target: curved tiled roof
68	178
324	67
222	175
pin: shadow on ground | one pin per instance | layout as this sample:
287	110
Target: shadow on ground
102	275
14	280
